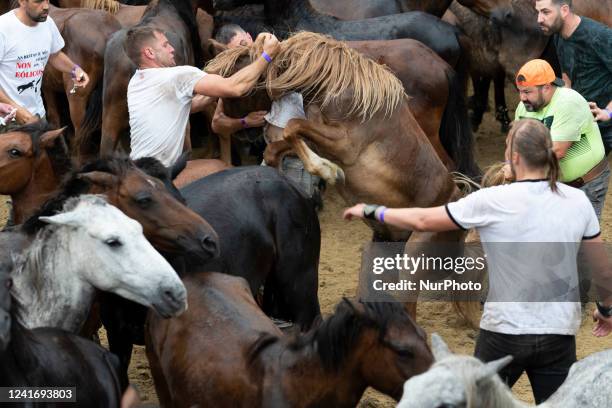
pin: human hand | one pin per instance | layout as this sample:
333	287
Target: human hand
271	45
603	325
255	119
600	115
80	77
355	211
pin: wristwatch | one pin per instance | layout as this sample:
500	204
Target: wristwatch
606	311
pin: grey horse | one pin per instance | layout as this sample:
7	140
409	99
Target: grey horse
464	381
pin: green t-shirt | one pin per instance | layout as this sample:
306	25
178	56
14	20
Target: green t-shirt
570	120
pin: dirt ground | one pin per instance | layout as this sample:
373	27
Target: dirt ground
341	247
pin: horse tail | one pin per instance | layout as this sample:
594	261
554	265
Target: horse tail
88	142
455	132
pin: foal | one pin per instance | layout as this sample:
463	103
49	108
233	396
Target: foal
225	352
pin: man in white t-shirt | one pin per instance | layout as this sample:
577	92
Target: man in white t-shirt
28	39
536	209
161	94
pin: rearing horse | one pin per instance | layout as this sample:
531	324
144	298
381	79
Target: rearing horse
358	117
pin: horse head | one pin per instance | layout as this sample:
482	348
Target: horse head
169	225
22	151
454	380
109	251
379	340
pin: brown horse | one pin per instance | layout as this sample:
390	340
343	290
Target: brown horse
225	352
360	9
86	33
380	154
435	97
32	163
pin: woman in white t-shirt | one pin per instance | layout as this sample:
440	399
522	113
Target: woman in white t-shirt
535	209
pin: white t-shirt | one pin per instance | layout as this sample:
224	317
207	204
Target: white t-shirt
528	211
159	101
24	52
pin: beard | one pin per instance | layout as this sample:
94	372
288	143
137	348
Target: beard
38	18
553	28
536	105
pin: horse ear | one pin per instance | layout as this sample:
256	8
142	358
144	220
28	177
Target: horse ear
67	218
215	47
439	348
48	138
491	368
179	165
99	178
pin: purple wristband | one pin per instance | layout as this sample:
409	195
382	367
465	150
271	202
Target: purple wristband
243	122
266	56
73	71
381	216
609	113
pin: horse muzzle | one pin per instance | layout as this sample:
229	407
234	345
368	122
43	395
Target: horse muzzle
172	301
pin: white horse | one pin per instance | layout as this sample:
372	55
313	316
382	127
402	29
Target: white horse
464	381
91	245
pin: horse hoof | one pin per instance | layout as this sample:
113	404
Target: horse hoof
340	176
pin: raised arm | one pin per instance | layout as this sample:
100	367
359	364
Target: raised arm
242	81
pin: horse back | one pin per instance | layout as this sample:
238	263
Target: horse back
202	357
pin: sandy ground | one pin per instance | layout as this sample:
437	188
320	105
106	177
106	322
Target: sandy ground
342	243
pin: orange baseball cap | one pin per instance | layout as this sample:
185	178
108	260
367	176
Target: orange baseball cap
537	72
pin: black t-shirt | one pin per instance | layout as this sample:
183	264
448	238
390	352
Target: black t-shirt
586	57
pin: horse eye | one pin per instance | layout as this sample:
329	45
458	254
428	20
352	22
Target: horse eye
14	153
113	242
8	283
407	353
144	201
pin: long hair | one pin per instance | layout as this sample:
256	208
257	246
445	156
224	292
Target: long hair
324	70
112	6
531	140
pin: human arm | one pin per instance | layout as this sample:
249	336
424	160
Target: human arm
242	81
199	102
560	148
597	260
22	116
63	63
224	125
416	219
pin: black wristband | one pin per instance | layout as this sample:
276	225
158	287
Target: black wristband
606	311
369	211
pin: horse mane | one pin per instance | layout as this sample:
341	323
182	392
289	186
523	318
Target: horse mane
336	336
324	70
185	11
112	6
73	186
155	168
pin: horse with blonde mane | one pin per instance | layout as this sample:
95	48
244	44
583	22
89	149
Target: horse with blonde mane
358	120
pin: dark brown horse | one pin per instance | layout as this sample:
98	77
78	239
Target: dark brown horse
225	352
360	9
32	164
47	357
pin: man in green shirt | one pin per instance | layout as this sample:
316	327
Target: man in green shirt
584	48
575	135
